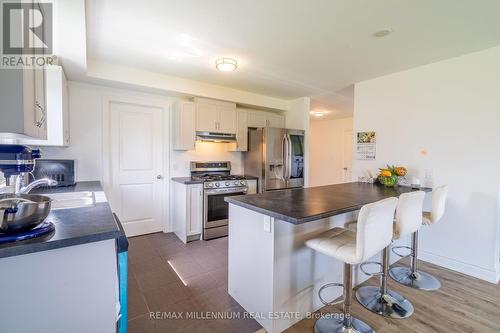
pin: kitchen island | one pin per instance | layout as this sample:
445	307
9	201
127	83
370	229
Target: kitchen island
271	272
66	281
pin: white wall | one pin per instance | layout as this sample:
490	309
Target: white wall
86	135
327	150
451	110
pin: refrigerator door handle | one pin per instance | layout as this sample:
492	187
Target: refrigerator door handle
289	157
284	146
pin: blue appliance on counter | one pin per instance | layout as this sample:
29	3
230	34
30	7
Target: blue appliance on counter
17	161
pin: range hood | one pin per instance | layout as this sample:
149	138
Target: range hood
215	137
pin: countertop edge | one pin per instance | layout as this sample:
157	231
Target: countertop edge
112	232
186	180
288	218
239	201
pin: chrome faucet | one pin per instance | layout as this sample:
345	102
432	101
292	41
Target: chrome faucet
20	189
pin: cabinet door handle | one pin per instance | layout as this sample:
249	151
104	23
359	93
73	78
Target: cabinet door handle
39	123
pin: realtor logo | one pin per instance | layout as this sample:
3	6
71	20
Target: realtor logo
26	33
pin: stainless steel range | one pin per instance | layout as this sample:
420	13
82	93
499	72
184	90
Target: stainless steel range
218	183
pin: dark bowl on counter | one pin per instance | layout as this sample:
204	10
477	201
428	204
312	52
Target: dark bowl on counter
20	212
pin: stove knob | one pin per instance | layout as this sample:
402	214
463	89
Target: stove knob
227	183
235	183
243	182
217	184
210	185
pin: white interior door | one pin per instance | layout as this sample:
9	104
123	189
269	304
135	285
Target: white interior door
136	144
347	157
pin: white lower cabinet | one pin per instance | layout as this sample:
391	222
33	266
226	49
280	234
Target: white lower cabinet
187	210
252	186
194	209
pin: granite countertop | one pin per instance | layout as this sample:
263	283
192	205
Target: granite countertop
308	204
189	180
74	226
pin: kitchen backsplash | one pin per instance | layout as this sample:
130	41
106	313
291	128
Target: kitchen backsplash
205	151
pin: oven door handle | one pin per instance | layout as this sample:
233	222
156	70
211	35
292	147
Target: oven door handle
216	191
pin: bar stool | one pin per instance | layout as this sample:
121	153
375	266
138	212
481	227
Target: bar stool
382	300
412	276
373	234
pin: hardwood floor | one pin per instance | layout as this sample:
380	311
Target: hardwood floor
462	304
167	275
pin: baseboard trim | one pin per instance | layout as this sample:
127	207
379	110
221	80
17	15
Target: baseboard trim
468	269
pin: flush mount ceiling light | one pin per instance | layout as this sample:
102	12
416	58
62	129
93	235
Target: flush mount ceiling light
318	113
383	32
226	64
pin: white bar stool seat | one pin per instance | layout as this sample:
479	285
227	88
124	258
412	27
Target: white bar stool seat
374	233
412	276
382	300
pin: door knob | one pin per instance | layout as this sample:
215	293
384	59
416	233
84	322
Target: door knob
159	177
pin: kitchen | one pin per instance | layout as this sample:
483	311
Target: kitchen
221	180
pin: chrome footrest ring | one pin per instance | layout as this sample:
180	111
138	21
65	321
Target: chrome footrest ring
372	263
394	248
329	285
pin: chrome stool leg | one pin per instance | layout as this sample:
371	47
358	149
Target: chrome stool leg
383	301
345	323
411	276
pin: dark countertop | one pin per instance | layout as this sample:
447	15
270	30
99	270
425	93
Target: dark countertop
74	226
189	180
308	204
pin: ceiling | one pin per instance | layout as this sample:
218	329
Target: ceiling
288	48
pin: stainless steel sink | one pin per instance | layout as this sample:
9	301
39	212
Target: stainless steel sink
72	200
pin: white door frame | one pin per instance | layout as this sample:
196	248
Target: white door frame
107	180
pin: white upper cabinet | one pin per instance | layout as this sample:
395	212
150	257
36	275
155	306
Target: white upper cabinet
227	119
183	125
206	117
241	143
57	114
22	109
275	120
215	116
257	119
265	119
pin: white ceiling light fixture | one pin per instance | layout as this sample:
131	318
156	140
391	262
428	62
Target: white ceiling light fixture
318	114
226	64
383	32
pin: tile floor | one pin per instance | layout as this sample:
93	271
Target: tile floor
166	275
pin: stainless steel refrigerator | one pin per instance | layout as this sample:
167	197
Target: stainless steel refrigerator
276	157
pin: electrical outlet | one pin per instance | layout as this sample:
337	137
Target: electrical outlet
267	223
